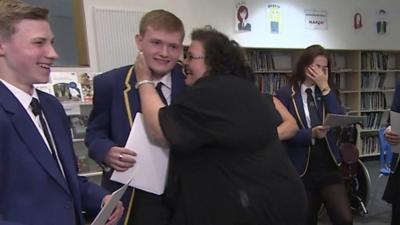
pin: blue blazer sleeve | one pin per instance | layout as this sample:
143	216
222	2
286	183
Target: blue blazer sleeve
332	104
98	132
91	196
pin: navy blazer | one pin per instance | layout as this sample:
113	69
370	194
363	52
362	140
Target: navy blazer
396	99
32	189
396	108
115	104
299	146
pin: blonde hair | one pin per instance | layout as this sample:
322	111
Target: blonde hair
13	11
161	20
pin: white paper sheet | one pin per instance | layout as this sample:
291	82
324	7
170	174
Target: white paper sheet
108	208
150	170
335	120
395	128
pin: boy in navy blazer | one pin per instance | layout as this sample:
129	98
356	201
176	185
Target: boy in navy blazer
39	184
116	102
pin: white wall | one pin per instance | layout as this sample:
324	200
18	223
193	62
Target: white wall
220	14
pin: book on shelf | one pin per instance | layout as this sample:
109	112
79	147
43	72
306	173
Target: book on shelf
375	61
271	82
70	87
78	125
340	82
373	101
66	86
86	81
87	165
337	62
369	145
372	80
262	61
282	61
375	120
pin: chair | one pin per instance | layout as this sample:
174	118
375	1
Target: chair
356	178
355	174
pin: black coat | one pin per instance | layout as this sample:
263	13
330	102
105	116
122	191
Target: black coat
227	164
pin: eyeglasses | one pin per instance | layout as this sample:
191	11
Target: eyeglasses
189	57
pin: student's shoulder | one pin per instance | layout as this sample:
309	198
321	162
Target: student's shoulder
114	74
46	95
49	98
285	90
178	68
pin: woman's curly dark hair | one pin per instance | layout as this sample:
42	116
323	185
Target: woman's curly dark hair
222	56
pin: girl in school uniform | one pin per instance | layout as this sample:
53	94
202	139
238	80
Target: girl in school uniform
313	150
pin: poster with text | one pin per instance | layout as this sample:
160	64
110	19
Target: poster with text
316	19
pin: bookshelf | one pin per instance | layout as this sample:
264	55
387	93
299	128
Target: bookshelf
378	74
272	67
78	114
365	79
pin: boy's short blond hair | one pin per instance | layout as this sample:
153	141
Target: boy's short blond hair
161	20
13	11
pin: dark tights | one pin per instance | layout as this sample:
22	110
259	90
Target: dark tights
336	203
395	214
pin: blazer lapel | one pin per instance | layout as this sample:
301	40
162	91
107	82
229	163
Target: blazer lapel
298	106
131	97
62	139
30	135
320	105
177	78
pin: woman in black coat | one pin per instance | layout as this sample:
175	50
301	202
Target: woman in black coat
227	164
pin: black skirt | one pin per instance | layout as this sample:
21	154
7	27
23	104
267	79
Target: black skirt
322	170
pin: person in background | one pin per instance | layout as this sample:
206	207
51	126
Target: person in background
116	102
391	194
229	166
313	150
39	184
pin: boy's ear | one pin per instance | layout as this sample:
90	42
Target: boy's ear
138	40
2	47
